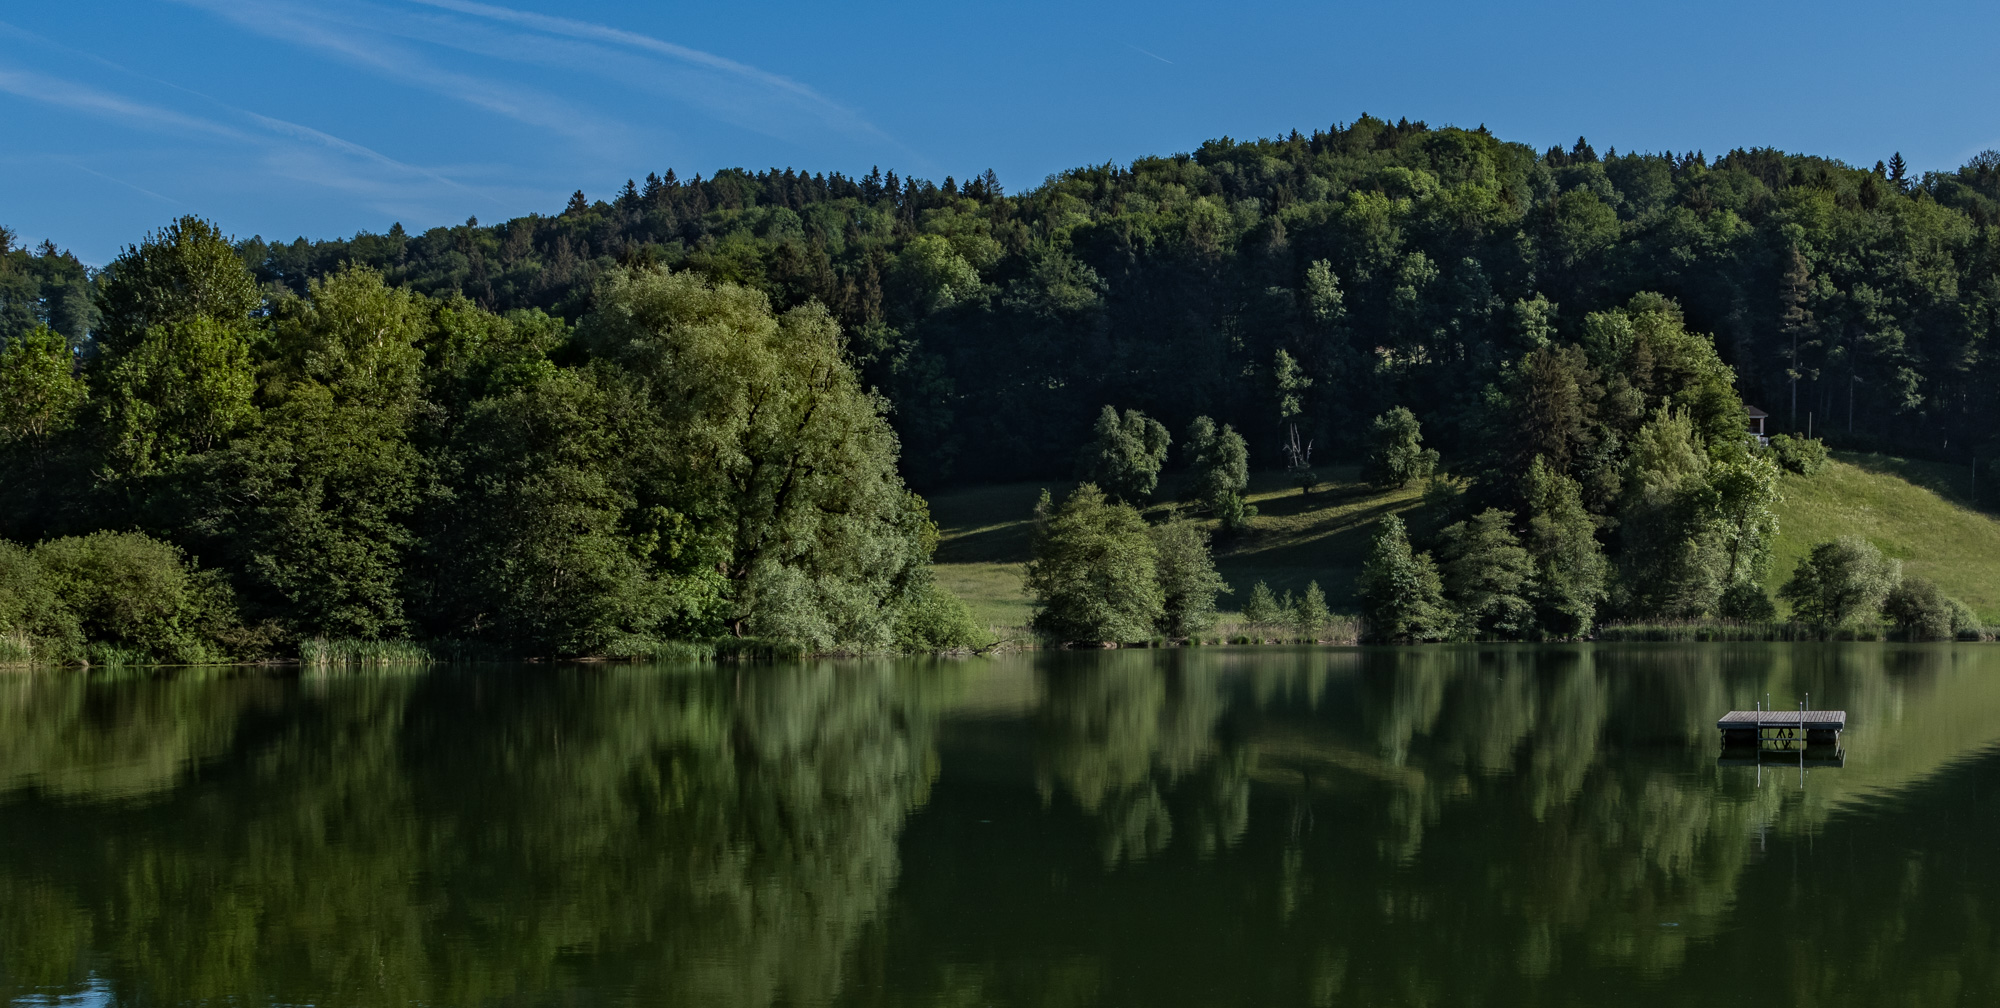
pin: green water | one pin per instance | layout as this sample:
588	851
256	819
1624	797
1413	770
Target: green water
1502	826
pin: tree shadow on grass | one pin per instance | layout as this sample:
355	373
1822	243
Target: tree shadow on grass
1292	505
997	544
1949	481
1342	540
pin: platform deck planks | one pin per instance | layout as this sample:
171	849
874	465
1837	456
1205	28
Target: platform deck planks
1824	720
1783	728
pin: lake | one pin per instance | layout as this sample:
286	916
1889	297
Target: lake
1477	825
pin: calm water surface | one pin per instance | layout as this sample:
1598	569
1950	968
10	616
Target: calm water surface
1502	826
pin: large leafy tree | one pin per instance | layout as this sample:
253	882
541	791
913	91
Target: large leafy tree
181	390
44	487
314	506
1922	611
1396	452
1672	563
1841	582
1219	464
1125	454
1189	582
40	390
530	541
186	270
760	456
1095	572
1219	461
1570	570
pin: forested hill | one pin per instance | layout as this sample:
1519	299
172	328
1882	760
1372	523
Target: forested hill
997	325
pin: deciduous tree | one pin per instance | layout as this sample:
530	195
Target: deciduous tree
1095	572
1396	452
1189	583
1125	455
1841	582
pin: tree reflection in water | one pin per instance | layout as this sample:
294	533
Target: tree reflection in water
1511	825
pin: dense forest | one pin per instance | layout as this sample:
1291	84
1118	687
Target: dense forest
997	325
717	388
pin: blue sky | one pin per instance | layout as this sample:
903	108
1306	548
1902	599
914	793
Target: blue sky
324	117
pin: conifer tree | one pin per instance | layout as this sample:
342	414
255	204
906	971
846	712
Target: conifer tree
1309	613
1569	566
1401	594
1484	572
1261	607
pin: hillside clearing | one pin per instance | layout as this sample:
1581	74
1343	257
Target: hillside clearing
1293	540
1891	502
1913	510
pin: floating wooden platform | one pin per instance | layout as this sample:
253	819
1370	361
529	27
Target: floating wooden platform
1813	727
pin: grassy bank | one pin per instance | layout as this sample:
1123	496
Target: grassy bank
1295	539
1917	512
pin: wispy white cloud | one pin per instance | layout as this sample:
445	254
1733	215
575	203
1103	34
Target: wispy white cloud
276	138
274	143
361	42
84	98
833	112
372	36
368	154
113	178
514	64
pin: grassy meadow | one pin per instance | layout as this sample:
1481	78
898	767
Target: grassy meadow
1294	539
1915	511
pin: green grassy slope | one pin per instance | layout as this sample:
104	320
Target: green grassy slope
1294	539
1914	511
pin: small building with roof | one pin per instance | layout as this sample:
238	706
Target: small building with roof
1755	423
